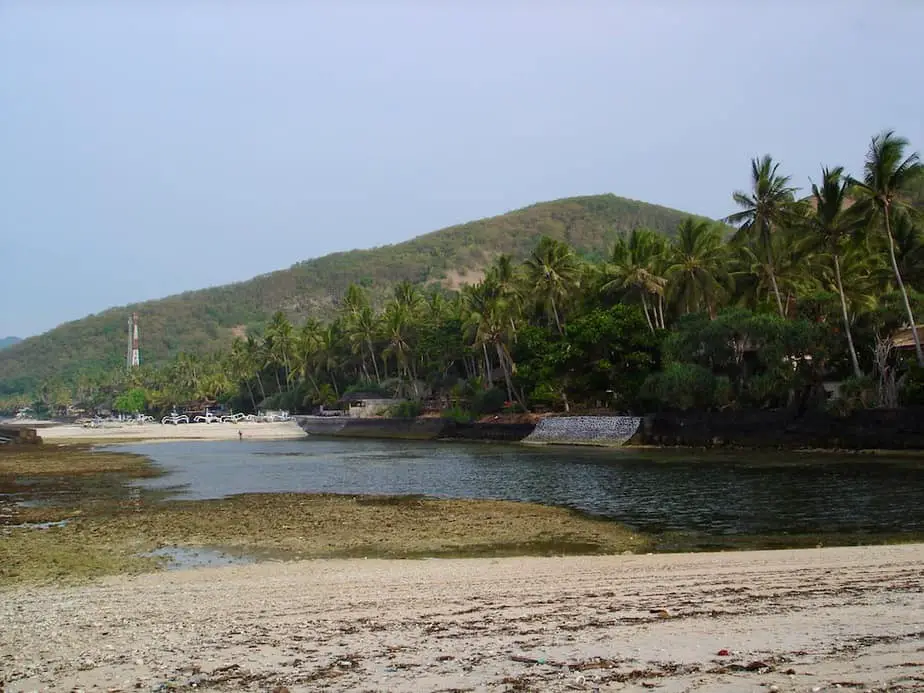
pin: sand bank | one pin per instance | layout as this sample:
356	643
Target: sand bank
809	620
165	432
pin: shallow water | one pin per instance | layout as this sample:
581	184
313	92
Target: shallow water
715	493
180	558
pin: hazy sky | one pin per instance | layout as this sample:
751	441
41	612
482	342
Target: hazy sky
152	147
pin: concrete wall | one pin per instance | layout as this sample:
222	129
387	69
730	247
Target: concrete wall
584	430
873	429
419	429
18	434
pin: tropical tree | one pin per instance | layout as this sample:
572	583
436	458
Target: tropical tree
634	269
552	276
888	176
241	368
909	249
767	208
363	329
830	225
307	348
279	342
397	328
490	324
696	269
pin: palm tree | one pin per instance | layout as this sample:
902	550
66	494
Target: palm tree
306	350
396	326
506	279
489	322
697	266
552	275
362	330
634	268
766	209
909	249
354	300
830	224
408	297
887	176
253	350
241	368
279	340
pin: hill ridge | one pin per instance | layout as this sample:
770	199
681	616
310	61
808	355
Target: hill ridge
206	318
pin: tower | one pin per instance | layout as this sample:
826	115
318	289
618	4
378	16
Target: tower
133	357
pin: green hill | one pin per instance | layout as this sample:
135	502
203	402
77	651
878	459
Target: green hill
204	319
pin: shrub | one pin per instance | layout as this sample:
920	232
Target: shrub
409	409
457	414
684	386
912	392
489	401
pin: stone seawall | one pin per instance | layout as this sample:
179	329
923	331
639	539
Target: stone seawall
872	429
584	430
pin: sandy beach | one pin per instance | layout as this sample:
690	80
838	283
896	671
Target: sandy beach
157	432
794	620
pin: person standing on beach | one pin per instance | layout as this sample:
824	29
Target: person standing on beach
240	435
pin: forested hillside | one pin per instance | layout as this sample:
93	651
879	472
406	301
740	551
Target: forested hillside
206	320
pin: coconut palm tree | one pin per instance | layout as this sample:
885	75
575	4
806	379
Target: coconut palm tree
697	266
396	327
767	208
883	192
362	330
408	296
306	349
552	275
254	359
634	269
354	300
909	248
830	225
279	341
240	367
490	324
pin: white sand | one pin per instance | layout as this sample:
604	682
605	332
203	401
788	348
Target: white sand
802	620
166	432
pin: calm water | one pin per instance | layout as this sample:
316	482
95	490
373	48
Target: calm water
712	493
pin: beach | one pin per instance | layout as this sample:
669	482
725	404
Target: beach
789	620
157	432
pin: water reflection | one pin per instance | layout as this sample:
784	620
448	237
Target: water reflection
715	493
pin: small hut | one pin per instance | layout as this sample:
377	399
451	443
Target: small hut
362	405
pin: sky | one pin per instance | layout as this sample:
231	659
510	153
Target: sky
149	148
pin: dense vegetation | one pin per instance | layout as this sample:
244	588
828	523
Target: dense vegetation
198	321
797	292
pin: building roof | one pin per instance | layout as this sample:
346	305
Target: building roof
903	339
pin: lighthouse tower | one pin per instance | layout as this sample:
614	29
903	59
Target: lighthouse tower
133	357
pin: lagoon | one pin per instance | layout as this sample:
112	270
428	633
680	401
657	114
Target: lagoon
712	494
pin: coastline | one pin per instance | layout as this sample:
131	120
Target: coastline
606	623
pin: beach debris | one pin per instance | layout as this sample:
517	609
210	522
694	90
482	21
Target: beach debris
723	653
